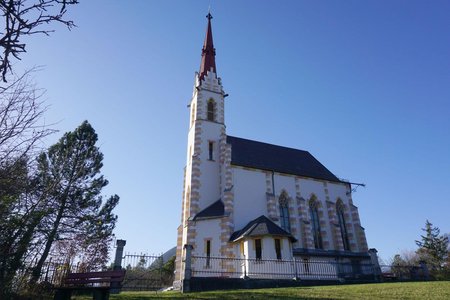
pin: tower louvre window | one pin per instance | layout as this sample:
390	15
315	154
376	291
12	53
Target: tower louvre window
211	110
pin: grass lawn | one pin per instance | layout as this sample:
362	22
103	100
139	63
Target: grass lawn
398	290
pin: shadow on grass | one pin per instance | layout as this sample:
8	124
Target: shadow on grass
269	294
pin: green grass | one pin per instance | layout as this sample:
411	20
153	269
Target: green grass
401	290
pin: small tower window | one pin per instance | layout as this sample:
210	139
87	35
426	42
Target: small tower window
211	110
211	150
208	253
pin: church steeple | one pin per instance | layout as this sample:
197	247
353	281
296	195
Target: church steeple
208	52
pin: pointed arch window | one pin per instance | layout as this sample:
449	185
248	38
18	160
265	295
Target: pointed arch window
284	212
314	214
340	209
211	107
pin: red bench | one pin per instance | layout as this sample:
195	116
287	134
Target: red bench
100	283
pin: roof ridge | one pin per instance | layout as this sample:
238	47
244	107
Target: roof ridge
274	145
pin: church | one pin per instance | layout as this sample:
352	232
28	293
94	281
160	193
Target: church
251	200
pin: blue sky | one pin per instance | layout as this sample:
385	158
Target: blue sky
362	85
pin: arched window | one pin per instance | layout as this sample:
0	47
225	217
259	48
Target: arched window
314	214
340	214
284	212
211	110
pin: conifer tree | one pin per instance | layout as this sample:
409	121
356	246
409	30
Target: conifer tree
69	179
433	246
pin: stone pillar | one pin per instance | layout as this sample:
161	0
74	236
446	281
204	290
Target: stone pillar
376	265
119	254
116	286
186	284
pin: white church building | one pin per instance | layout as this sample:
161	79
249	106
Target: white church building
248	200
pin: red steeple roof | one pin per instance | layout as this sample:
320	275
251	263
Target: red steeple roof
208	52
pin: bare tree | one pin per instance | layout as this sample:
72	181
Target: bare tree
27	17
21	130
21	112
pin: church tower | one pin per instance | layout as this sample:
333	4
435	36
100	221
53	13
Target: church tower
205	174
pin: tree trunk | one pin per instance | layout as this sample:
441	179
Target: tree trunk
48	245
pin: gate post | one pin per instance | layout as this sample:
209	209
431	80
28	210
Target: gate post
245	267
116	286
119	254
295	268
375	264
186	282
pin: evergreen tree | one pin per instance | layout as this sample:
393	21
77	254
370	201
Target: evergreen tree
433	246
69	179
19	218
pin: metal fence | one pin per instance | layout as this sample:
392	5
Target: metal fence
52	273
304	269
404	272
143	272
146	272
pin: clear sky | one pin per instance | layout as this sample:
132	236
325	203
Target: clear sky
362	85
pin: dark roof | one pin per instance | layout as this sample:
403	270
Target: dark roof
258	227
258	155
213	211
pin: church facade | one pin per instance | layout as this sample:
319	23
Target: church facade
245	199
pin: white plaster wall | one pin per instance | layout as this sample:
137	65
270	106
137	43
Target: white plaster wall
207	229
191	136
286	249
336	190
269	248
210	169
250	199
210	132
269	266
283	182
249	189
308	187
